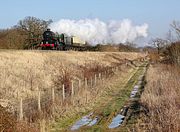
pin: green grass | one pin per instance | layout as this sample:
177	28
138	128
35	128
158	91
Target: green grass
117	98
108	111
114	106
63	124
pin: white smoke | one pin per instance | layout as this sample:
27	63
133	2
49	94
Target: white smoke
95	31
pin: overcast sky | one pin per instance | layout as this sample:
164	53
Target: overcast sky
158	14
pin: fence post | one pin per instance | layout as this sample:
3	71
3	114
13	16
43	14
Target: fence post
42	125
86	94
39	100
53	100
63	92
85	83
53	97
103	77
100	78
95	80
99	75
72	88
79	83
72	92
79	87
91	82
21	110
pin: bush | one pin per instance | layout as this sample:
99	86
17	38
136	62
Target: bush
174	53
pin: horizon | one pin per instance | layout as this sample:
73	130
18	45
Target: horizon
157	14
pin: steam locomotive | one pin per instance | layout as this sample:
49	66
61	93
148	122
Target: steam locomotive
61	42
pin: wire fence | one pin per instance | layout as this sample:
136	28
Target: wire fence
78	92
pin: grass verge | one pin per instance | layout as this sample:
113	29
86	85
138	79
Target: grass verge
120	97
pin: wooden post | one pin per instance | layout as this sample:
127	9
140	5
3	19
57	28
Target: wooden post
85	83
86	95
21	110
100	78
79	83
72	88
53	97
95	80
104	77
91	82
72	92
63	92
39	100
53	100
42	125
79	87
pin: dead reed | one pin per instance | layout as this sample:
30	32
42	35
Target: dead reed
161	99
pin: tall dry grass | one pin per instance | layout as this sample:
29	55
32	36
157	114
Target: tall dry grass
161	99
25	73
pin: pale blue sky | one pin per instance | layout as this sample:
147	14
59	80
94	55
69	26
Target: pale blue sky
158	14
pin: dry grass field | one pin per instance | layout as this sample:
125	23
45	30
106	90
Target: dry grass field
161	99
28	75
23	72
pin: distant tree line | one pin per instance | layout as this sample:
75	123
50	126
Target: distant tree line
27	32
126	47
169	49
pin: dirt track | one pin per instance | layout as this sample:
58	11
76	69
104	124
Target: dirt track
113	100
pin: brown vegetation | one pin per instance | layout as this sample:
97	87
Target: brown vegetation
173	53
24	35
128	47
9	123
33	75
12	39
161	100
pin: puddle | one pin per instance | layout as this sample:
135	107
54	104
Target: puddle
117	121
89	121
85	121
93	122
134	91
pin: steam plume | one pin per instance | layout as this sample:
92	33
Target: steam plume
95	31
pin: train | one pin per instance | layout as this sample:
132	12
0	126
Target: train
55	41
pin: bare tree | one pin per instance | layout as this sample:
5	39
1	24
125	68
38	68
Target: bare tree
33	28
176	27
170	36
159	43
